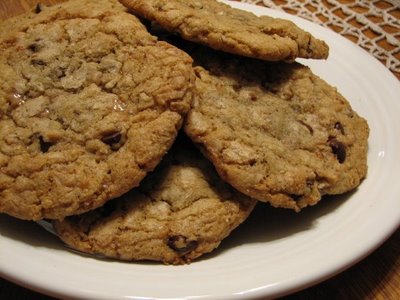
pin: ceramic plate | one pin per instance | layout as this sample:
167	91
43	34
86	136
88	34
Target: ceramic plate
277	251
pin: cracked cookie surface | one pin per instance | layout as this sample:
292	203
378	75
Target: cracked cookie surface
275	131
180	211
89	103
222	27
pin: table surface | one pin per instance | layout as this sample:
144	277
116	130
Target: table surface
376	277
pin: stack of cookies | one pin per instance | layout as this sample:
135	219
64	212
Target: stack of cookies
138	147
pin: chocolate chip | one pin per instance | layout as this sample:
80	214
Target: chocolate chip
253	97
339	149
38	62
181	244
38	8
33	47
339	127
44	146
114	140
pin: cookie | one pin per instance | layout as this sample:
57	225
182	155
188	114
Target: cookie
222	27
89	104
276	131
178	213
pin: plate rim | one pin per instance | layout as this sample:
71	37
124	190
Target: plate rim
37	285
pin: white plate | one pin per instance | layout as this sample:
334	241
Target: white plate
270	256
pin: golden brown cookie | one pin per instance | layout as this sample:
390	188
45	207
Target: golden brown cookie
222	27
89	103
179	212
275	131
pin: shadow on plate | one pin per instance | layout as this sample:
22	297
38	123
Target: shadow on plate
28	232
267	224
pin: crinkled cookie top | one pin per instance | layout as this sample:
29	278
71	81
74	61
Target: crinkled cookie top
180	211
276	131
222	27
89	103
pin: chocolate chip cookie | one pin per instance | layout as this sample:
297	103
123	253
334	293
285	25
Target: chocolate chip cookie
222	27
178	213
89	103
276	131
